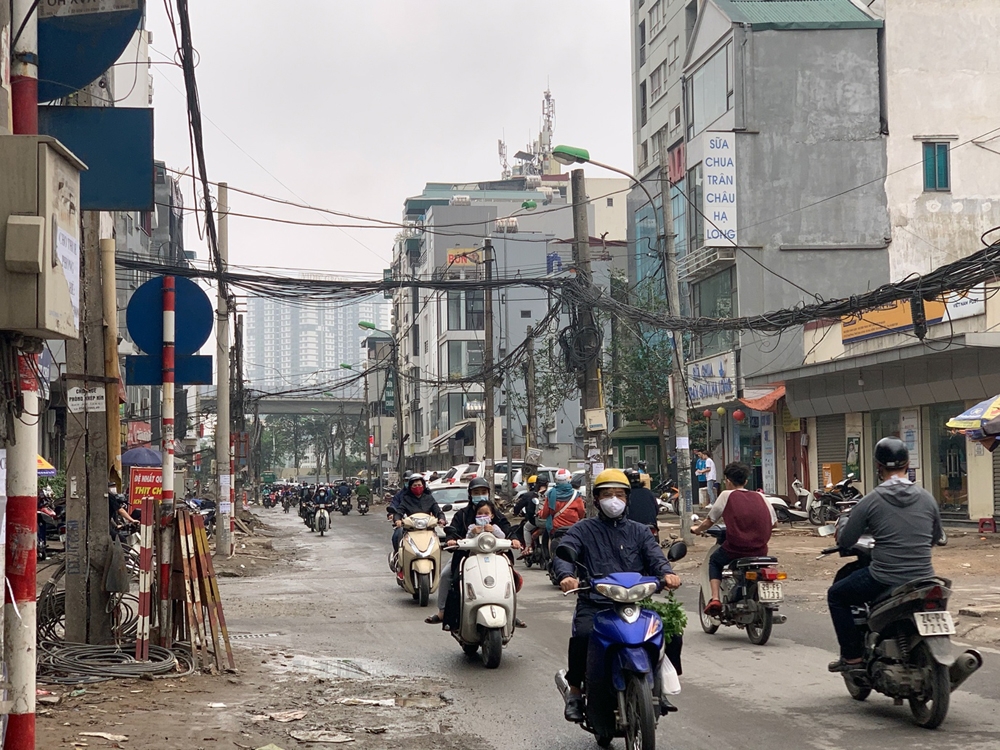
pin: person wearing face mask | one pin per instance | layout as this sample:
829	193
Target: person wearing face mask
416	498
610	543
480	513
563	507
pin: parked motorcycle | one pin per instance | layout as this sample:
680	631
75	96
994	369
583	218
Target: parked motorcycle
417	564
344	505
836	500
488	598
321	519
783	512
751	592
667	497
806	500
626	670
908	654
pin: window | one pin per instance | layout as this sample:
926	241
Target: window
675	119
465	358
673	54
655	17
642	103
656	83
679	212
525	313
642	43
644	154
611	202
710	91
936	172
715	297
466	311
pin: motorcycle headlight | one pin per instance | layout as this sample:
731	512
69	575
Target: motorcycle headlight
420	523
486	542
613	592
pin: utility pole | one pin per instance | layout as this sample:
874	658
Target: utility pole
398	403
241	413
682	441
590	387
529	384
488	380
223	541
368	433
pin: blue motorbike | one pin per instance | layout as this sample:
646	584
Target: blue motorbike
623	682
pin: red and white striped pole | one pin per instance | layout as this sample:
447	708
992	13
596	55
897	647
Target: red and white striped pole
20	561
167	504
24	68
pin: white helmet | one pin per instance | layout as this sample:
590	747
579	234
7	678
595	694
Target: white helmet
563	476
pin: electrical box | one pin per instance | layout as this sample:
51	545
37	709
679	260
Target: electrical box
39	237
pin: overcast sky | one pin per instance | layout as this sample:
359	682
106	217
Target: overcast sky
355	105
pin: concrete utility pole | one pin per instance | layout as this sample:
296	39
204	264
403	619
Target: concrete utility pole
529	385
682	442
398	403
488	380
590	387
368	433
223	539
111	369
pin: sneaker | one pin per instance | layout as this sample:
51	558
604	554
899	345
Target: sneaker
714	608
666	707
574	709
842	666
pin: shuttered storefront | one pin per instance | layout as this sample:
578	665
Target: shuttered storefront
831	444
996	482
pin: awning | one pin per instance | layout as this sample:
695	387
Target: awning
445	436
45	469
768	402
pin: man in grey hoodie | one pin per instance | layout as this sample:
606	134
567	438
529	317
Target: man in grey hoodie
905	522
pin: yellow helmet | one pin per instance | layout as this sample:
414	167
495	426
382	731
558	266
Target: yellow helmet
611	478
533	479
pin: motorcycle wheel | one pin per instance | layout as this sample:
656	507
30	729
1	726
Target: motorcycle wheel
470	649
492	648
760	631
858	692
931	710
423	588
829	514
816	514
708	624
640	721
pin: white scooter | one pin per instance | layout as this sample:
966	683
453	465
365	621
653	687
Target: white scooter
488	598
321	521
783	512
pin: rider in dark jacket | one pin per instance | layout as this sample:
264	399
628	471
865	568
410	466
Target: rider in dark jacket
610	543
415	499
641	502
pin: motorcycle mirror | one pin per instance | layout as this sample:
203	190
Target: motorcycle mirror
446	507
566	553
677	551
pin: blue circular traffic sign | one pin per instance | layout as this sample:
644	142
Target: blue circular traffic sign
192	316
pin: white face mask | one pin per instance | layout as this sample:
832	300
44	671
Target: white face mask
612	507
483	520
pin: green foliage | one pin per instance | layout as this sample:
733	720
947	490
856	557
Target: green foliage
670	611
57	483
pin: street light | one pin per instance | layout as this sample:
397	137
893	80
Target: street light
368	424
573	155
397	403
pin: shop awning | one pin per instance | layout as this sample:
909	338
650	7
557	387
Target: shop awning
767	402
445	436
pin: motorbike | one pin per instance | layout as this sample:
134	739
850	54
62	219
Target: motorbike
488	598
908	654
344	505
806	500
751	593
626	670
417	564
667	497
321	519
837	499
48	523
363	504
286	503
205	509
307	510
783	512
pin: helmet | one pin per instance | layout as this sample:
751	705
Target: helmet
611	478
478	483
563	476
634	477
413	478
407	474
533	480
891	453
641	465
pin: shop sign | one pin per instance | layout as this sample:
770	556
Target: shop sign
143	483
139	433
719	190
768	467
909	433
896	316
712	380
788	422
464	257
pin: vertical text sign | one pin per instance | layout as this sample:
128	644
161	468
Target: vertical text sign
720	190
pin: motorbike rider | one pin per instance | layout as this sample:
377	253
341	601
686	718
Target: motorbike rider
647	480
364	492
905	522
479	497
527	506
416	498
609	543
641	502
749	522
343	490
562	508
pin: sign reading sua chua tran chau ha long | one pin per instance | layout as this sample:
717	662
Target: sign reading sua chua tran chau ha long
896	317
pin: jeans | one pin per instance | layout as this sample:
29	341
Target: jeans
719	560
397	537
857	588
444	585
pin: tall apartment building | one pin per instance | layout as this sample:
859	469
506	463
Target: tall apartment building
290	345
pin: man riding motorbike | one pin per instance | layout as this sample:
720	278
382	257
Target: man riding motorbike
364	491
416	498
562	508
749	522
527	506
641	502
479	496
610	543
905	522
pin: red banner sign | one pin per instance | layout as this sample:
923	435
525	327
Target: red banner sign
144	482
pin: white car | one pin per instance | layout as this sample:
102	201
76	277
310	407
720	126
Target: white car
453	476
500	469
548	473
455	495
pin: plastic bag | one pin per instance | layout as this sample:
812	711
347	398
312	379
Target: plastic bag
670	683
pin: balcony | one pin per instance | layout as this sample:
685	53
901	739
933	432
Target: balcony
704	262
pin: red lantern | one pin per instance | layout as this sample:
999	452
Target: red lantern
707	413
739	416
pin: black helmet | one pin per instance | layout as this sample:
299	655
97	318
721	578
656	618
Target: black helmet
475	484
413	478
641	465
891	453
634	477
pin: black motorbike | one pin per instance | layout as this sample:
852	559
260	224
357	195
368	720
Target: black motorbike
363	504
908	654
344	504
834	502
286	503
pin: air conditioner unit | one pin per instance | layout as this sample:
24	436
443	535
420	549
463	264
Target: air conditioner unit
507	225
579	432
533	182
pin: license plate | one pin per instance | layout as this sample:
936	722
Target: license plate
934	623
768	592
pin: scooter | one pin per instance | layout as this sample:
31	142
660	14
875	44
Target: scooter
321	519
418	563
908	631
627	674
286	503
806	500
488	598
783	512
362	505
344	505
751	592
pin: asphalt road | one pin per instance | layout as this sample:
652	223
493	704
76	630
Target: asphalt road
341	602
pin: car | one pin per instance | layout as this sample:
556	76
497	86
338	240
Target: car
548	473
452	477
500	469
456	495
470	473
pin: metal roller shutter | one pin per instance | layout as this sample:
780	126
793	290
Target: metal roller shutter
831	443
996	482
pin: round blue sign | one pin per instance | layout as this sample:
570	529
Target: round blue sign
192	317
76	48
